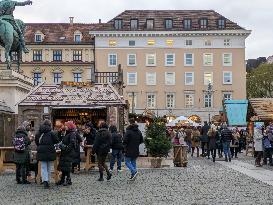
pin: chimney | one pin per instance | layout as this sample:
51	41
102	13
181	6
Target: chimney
71	20
99	21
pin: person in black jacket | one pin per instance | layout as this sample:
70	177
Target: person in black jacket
89	134
205	139
101	147
132	139
67	146
76	164
226	136
117	148
46	153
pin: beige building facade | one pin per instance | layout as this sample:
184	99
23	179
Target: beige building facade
180	62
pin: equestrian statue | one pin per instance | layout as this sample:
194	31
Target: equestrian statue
12	31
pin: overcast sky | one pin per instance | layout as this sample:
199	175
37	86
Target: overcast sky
255	15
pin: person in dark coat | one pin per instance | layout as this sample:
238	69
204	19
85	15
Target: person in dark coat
213	136
204	138
89	134
21	155
77	157
226	136
132	139
67	146
101	147
45	140
117	148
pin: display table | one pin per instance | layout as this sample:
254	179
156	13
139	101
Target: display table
3	165
88	163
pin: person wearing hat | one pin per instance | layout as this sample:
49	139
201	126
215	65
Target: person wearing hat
89	134
258	144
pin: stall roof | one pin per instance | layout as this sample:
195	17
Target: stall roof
262	108
79	94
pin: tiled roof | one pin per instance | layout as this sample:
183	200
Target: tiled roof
75	95
176	15
55	31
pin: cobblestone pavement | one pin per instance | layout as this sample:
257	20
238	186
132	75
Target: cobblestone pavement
203	182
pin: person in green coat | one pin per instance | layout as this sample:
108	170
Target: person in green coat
21	142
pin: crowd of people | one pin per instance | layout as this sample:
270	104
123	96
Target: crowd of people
69	139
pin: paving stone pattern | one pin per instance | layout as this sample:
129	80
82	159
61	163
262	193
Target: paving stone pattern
203	182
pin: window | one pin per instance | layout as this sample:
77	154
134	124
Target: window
227	59
169	78
227	42
227	96
187	24
77	55
208	78
189	78
131	60
207	100
208	59
203	23
170	100
77	38
208	42
132	99
132	43
57	78
57	55
112	60
150	23
151	100
188	42
150	60
131	78
169	59
221	23
189	61
118	24
37	55
189	100
14	56
168	23
150	78
37	78
38	38
134	24
227	77
77	77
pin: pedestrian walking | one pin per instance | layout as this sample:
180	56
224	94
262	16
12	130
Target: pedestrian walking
226	136
188	138
132	139
117	148
234	146
68	147
76	163
46	153
267	149
89	134
212	133
258	144
21	142
195	141
204	138
101	147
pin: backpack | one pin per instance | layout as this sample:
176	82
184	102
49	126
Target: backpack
19	143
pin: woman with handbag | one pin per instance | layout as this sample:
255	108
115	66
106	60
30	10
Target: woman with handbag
195	141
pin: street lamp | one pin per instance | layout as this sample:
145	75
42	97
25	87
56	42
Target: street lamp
209	93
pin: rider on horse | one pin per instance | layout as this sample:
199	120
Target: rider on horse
6	13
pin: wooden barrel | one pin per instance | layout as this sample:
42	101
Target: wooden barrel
180	155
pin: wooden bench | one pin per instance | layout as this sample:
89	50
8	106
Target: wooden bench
3	164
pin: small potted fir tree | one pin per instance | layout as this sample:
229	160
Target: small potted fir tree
157	143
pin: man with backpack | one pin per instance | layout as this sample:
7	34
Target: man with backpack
21	154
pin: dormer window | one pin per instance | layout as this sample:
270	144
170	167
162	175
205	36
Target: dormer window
168	23
187	24
77	36
150	24
118	24
221	23
39	36
134	24
203	23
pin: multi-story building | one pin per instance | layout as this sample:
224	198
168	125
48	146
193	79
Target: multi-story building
180	61
58	52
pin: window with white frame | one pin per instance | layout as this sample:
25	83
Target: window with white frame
208	42
150	78
170	100
132	42
227	59
131	78
77	77
188	59
189	100
169	78
131	59
208	59
57	78
227	96
112	60
38	38
227	77
207	100
227	42
169	59
189	78
150	60
208	78
37	78
132	99
188	42
151	100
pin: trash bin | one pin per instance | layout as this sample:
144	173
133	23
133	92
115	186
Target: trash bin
180	155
